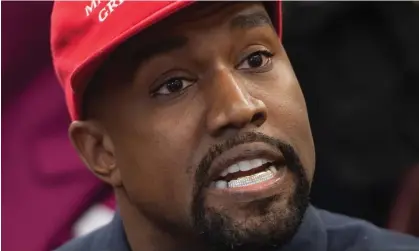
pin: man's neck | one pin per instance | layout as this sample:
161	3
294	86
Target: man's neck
142	233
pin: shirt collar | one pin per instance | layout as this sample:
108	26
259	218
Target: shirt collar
311	234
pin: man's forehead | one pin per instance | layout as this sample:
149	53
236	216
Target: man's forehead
168	34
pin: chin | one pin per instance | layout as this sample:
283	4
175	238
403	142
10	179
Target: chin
268	223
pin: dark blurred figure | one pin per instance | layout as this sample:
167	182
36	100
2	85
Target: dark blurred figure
358	64
405	214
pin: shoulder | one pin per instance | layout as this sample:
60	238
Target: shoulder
346	233
110	237
90	242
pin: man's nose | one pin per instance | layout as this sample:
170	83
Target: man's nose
231	105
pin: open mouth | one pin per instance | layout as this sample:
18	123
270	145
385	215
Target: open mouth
246	173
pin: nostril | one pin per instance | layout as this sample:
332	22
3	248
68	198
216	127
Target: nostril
258	118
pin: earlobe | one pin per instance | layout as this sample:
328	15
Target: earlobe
96	149
115	176
109	160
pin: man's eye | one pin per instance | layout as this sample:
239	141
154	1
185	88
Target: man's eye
257	59
173	85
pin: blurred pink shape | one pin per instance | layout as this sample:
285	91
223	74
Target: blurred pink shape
45	187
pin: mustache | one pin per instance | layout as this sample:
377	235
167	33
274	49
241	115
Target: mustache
210	223
291	158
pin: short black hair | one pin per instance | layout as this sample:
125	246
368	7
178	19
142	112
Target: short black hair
93	92
96	89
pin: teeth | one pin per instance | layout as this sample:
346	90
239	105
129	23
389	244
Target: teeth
257	162
252	179
272	169
248	180
221	184
224	173
245	165
234	168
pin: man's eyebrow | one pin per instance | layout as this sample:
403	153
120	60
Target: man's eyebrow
248	21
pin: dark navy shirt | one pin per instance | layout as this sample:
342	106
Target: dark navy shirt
320	231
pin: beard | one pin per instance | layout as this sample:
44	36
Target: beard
274	224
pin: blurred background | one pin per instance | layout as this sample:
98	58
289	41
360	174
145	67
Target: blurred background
358	65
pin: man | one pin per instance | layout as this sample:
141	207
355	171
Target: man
193	114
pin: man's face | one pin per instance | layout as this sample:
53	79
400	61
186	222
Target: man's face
211	136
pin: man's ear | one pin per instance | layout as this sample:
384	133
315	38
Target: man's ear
96	149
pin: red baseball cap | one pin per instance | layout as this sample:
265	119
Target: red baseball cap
84	33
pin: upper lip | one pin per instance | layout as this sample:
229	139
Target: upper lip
242	152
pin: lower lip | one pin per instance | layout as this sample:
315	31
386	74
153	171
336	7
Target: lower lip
263	189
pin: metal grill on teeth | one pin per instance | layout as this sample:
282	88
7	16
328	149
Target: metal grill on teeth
252	179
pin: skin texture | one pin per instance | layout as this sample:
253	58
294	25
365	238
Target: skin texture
158	122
